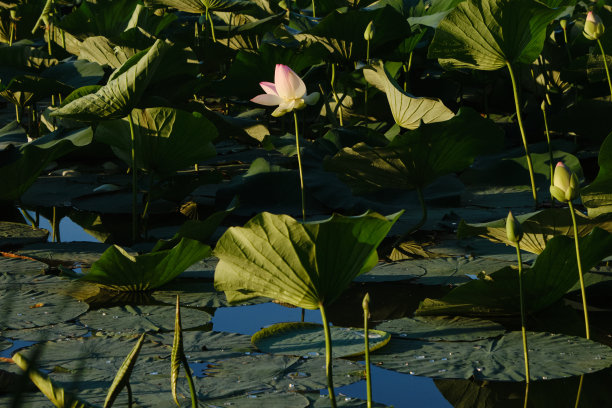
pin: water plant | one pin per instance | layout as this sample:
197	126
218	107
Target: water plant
307	265
593	30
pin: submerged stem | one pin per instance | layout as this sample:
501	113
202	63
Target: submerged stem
299	156
328	357
520	123
603	54
525	349
582	292
134	180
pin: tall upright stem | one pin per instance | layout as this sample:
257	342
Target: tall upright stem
338	102
582	292
134	180
328	357
525	349
550	154
314	12
366	316
194	398
579	392
212	25
299	156
603	54
520	122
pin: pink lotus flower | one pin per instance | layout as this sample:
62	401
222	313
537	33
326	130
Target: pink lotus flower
288	92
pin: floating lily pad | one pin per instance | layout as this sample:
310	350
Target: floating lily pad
442	328
47	333
33	308
210	346
66	253
59	191
119	202
192	293
19	267
138	319
501	359
15	234
261	398
437	271
308	339
5	344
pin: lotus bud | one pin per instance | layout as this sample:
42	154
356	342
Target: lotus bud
366	304
14	13
563	24
543	105
369	32
593	26
202	20
514	231
565	184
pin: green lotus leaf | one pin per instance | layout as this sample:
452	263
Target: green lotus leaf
597	196
21	165
408	111
128	319
75	73
56	331
499	359
489	34
554	273
118	270
427	13
304	264
201	6
120	95
538	228
442	328
307	339
101	50
415	159
25	89
166	139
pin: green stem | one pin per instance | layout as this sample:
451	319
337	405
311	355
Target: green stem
134	180
603	54
314	12
579	392
328	357
11	32
53	229
299	157
526	394
366	315
418	225
368	52
17	118
582	292
569	54
212	25
128	387
338	102
28	217
550	153
520	122
525	349
194	399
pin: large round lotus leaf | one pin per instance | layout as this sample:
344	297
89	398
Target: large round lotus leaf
33	308
14	234
500	359
437	271
201	346
442	328
322	401
120	202
138	319
479	247
59	191
47	333
268	372
66	253
47	283
308	339
12	266
261	398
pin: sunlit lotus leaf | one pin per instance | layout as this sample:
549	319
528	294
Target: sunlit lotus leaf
488	34
121	94
554	273
408	111
427	13
415	159
304	264
20	166
597	196
101	50
308	339
538	228
166	139
499	359
118	270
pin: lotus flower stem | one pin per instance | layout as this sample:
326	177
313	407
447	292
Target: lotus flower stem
299	157
192	392
28	217
520	122
314	12
567	48
366	316
582	292
525	349
338	101
17	118
550	154
579	392
603	54
328	357
212	25
134	179
418	224
11	32
526	395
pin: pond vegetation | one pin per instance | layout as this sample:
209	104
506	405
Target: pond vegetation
434	177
